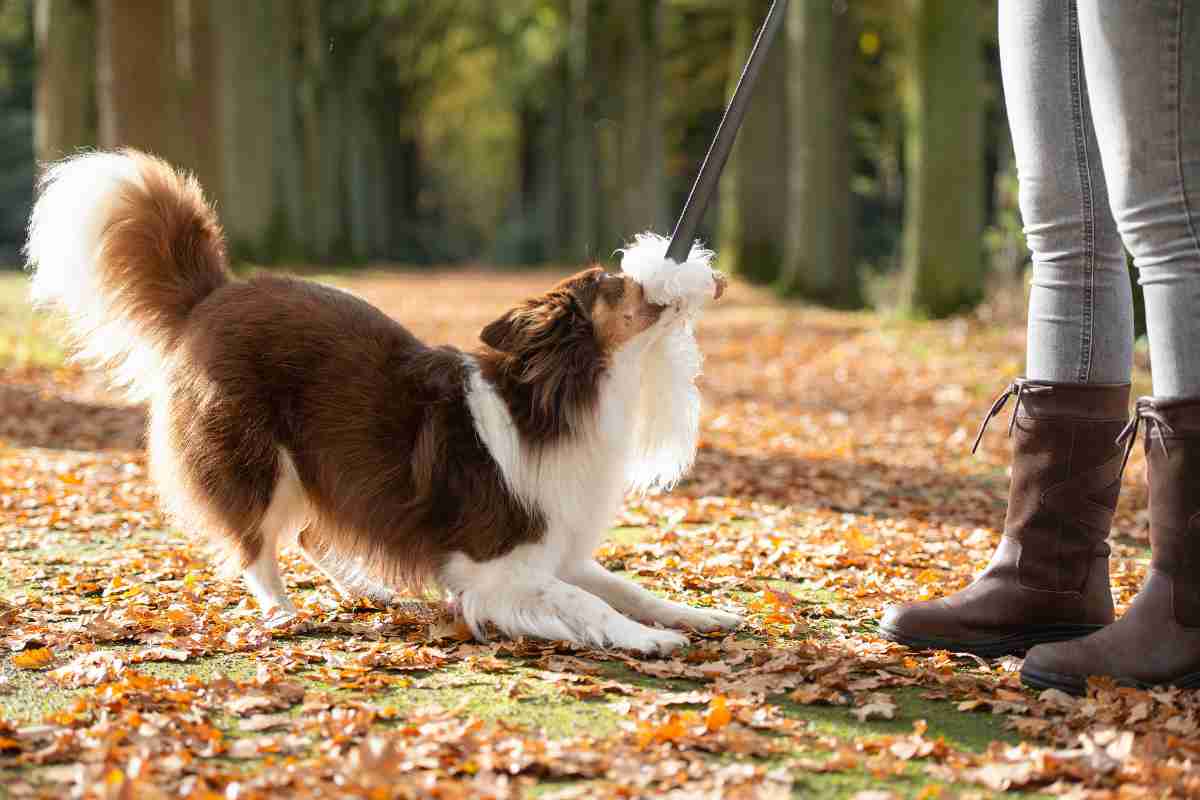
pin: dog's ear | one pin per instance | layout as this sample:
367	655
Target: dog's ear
502	334
527	326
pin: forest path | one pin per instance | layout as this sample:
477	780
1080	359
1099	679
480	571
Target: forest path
833	477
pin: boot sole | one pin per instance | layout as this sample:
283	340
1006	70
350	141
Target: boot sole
1077	684
1009	645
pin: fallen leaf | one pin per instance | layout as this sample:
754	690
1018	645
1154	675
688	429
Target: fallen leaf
718	714
36	658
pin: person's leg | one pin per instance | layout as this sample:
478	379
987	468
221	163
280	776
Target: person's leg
1143	63
1080	327
1048	580
1142	58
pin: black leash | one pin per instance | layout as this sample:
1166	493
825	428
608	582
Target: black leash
718	152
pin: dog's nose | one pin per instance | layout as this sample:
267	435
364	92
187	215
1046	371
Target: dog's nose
722	283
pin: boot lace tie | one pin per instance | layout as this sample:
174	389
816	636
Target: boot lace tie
1156	422
1017	389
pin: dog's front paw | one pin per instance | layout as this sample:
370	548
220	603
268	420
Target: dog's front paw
704	620
653	642
280	617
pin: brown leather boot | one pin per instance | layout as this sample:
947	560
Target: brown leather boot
1048	579
1157	641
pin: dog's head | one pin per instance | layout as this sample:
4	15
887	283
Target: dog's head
593	313
547	355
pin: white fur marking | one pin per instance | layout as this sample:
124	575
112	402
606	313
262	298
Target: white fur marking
77	199
521	599
286	515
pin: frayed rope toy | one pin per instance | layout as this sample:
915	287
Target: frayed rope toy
689	285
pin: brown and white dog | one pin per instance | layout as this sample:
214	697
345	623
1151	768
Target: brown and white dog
284	411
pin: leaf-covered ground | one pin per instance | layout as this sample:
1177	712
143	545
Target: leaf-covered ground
833	477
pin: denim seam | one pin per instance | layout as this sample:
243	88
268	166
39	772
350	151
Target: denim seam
1078	119
1183	189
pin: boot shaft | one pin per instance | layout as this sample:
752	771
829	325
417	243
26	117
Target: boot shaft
1172	445
1066	478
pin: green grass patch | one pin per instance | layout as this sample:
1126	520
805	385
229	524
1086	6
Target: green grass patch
27	338
964	731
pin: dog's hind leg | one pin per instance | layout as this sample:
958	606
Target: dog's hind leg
286	514
629	598
264	582
219	471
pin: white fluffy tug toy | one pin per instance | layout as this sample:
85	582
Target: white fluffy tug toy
667	432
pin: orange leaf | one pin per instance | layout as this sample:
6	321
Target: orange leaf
33	659
718	714
669	731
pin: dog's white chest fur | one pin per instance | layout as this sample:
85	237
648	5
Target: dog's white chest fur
576	484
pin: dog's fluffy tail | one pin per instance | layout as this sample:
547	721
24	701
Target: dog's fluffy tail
127	247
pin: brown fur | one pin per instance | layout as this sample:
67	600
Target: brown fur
163	252
376	422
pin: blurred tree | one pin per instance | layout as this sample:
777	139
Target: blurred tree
16	125
698	42
522	131
529	38
754	216
136	91
65	92
260	179
198	81
817	260
944	193
581	179
634	197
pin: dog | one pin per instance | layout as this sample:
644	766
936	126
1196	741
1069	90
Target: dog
283	411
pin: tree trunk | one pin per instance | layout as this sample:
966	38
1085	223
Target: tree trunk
261	165
943	265
200	82
640	202
754	189
363	163
581	178
817	263
553	182
137	91
65	92
321	144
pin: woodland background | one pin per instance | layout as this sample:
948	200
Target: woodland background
875	166
419	152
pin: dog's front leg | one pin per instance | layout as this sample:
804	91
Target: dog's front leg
522	599
629	598
349	578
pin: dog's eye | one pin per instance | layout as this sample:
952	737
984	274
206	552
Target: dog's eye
613	288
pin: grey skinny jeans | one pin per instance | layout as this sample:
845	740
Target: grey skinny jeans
1103	101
